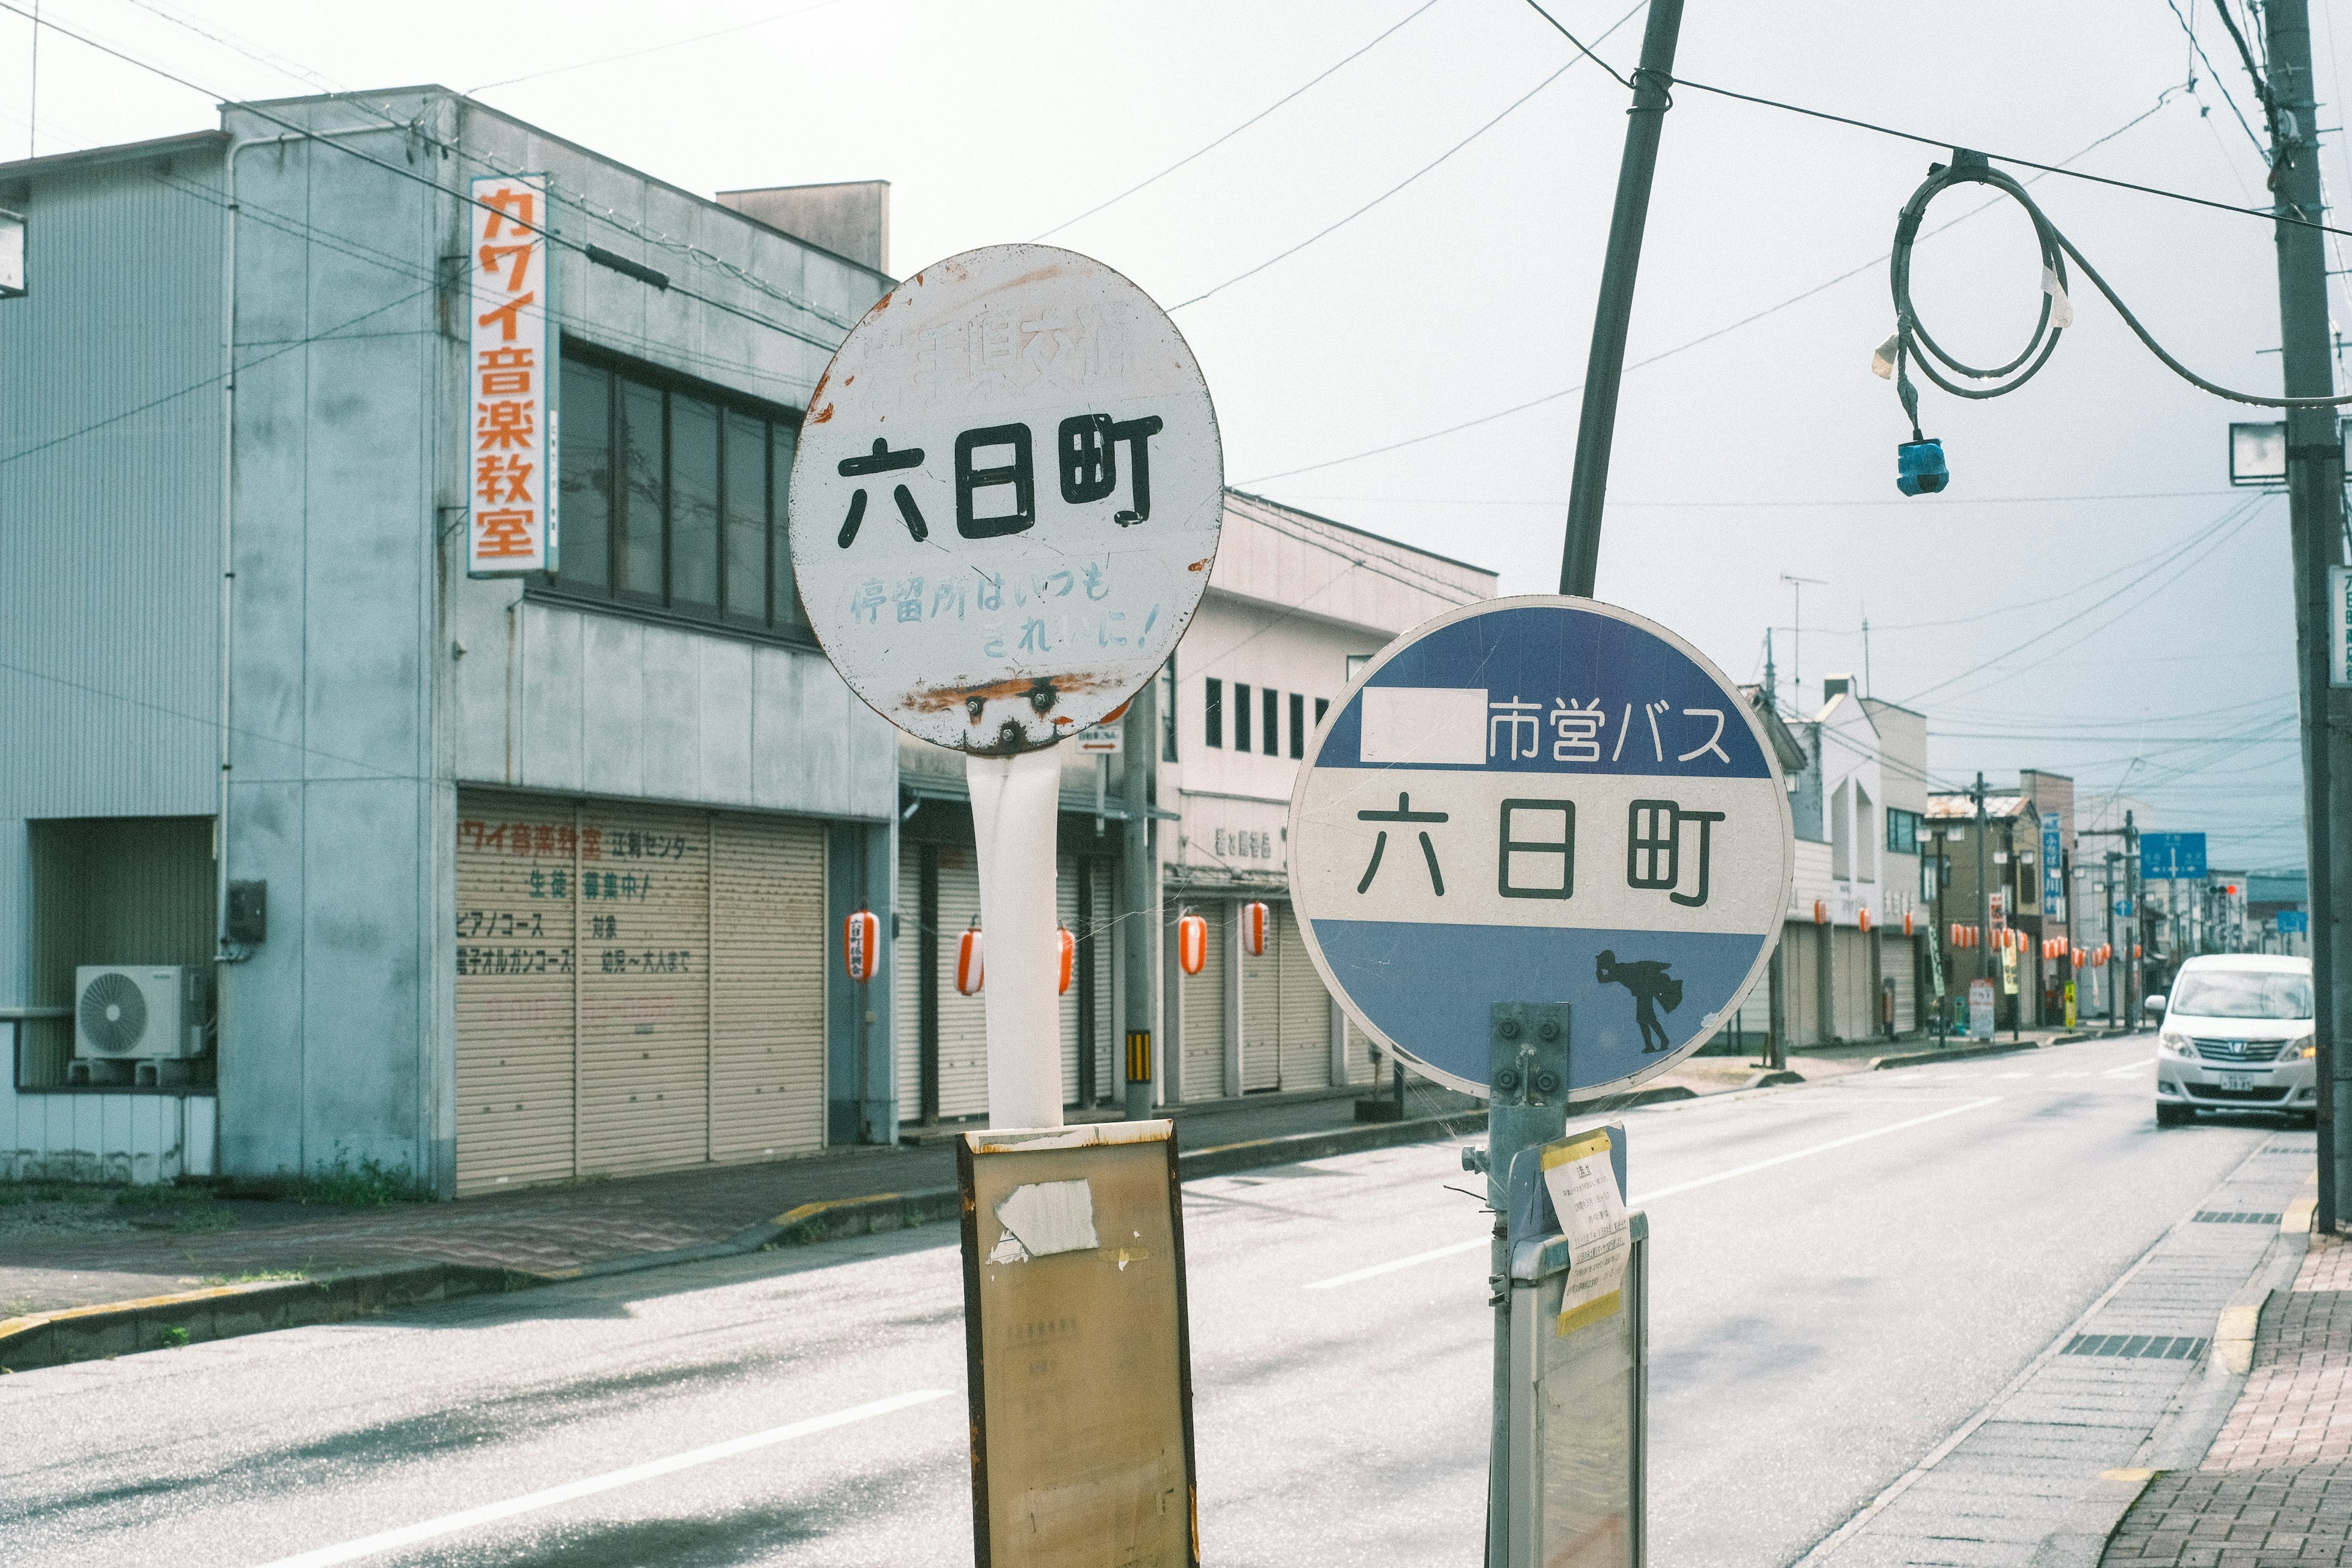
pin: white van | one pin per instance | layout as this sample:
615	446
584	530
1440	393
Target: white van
2236	1036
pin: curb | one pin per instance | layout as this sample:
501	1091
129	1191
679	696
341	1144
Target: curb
1959	1054
227	1312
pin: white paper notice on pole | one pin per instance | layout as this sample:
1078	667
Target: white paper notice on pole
1006	498
1578	1175
510	514
2340	626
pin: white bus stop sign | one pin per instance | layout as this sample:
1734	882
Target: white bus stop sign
1545	800
1006	498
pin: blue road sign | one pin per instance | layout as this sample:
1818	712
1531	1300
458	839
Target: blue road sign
2053	869
2122	908
2172	857
2293	921
1542	799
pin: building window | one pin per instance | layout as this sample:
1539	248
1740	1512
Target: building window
1272	737
1298	726
1902	831
1212	713
1241	717
674	496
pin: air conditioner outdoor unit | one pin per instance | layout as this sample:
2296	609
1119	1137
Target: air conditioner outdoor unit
139	1013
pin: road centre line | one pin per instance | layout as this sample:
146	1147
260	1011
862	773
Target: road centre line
2127	1068
448	1524
1394	1264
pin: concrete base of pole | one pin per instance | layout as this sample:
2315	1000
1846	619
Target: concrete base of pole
1014	803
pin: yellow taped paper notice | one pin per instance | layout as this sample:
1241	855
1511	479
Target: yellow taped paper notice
1583	1188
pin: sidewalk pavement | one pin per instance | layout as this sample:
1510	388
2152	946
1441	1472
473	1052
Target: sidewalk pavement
2275	1488
2040	1477
233	1263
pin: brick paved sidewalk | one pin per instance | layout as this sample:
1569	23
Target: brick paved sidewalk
2276	1486
545	1229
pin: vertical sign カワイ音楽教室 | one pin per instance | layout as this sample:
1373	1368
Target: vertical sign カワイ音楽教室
510	380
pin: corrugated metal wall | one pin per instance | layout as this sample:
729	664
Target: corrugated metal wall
110	422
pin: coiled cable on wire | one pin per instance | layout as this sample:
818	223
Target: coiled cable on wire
1912	343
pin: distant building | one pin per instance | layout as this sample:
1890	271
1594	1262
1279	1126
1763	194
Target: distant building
2269	896
2030	988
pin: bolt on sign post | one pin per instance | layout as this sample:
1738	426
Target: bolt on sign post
511	513
1541	849
1004	504
1078	1358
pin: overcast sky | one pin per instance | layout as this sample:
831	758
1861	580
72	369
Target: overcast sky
2089	597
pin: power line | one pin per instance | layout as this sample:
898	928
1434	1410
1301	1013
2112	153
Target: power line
1409	179
1793	299
2214	77
463	198
1244	125
1745	505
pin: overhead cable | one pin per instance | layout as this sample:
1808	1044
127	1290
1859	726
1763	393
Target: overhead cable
1344	60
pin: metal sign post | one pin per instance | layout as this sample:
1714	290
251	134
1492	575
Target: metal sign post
1529	814
1006	498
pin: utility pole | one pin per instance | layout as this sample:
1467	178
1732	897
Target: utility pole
1605	365
2314	460
1139	905
2107	896
1984	892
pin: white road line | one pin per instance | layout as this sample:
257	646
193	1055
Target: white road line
2012	1075
1394	1264
2127	1068
448	1524
1650	1197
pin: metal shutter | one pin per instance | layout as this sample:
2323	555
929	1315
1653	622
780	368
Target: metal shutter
768	947
1857	1003
906	978
1108	1038
1802	980
963	1024
1261	1011
1903	968
1205	1012
645	989
1066	871
1306	1007
517	989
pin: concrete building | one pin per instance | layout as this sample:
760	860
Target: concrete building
1292	599
1851	949
534	879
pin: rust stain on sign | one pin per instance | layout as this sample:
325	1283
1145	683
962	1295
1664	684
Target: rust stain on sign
822	414
1202	565
939	699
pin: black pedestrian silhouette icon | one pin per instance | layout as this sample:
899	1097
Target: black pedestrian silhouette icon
1651	984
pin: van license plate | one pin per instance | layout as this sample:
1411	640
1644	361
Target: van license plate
2236	1080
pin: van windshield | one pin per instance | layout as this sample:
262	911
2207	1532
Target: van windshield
2241	994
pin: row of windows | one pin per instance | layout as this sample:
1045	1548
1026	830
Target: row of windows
674	499
1902	830
1269	710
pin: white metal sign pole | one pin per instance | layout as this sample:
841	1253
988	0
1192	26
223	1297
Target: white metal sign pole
1015	801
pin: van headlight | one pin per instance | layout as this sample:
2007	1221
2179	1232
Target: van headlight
2176	1044
2304	1049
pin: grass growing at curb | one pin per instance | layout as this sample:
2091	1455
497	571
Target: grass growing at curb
257	1277
369	1183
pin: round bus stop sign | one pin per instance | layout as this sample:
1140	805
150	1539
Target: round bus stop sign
1541	800
1006	498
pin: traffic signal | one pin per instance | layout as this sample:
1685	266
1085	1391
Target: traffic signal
1919	467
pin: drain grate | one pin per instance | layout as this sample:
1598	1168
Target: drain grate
2312	1148
2140	1347
2235	1217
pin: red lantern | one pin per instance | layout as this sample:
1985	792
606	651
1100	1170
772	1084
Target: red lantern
2135	953
1192	943
1821	913
2079	956
971	962
1069	946
1861	918
1910	923
861	944
1255	918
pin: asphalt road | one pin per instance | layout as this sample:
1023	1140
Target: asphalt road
1844	1274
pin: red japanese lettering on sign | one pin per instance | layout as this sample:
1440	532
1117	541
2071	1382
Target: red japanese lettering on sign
503	535
500	481
504	372
507	318
514	206
505	426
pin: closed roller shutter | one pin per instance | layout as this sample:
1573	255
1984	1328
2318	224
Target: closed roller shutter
1083	918
1802	976
1066	872
1205	1012
1902	966
1262	1010
1305	1008
1859	997
645	989
516	980
1108	1037
767	995
963	1024
906	976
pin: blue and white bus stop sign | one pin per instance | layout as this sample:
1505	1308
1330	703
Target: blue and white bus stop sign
1541	800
